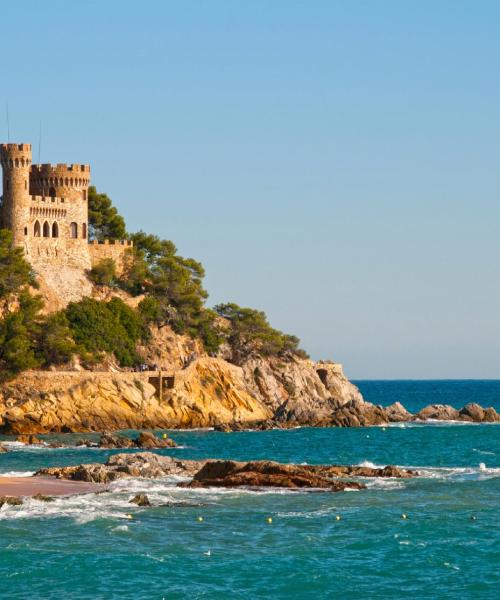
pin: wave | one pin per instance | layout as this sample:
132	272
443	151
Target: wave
17	474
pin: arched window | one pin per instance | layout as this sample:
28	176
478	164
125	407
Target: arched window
55	229
46	229
25	231
37	229
74	230
84	231
52	192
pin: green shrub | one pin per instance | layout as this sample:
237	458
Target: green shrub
104	272
113	326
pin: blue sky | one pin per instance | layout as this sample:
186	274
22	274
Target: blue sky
332	163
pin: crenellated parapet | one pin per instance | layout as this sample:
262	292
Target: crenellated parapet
62	180
15	155
109	242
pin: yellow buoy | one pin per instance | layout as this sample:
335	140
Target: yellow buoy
404	516
200	519
164	436
337	517
269	520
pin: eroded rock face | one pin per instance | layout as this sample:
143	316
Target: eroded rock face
209	392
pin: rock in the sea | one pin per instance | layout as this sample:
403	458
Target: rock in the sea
146	440
224	473
43	498
140	500
11	500
357	413
28	439
119	466
441	412
397	413
3	449
258	474
477	414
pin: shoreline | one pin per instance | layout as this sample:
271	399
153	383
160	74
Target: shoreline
50	486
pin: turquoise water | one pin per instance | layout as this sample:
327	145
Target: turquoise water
86	547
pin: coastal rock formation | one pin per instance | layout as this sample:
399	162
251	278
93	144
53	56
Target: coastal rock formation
140	500
119	466
10	500
230	473
263	393
470	412
222	473
146	440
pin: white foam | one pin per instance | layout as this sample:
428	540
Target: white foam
370	465
17	474
483	452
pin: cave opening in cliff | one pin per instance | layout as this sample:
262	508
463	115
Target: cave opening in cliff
322	374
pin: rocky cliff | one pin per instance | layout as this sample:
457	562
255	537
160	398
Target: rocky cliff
208	392
201	391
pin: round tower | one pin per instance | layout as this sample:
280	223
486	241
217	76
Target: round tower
16	164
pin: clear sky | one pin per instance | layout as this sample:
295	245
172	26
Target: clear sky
334	163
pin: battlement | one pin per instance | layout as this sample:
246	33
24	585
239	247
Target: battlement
107	242
15	155
15	147
60	168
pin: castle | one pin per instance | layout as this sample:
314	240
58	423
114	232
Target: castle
45	206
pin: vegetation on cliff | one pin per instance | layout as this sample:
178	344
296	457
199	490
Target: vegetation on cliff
27	339
173	295
104	220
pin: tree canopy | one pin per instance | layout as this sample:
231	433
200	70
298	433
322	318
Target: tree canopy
15	271
250	333
104	220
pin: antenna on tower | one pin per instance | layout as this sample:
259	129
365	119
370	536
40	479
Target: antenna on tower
8	120
39	141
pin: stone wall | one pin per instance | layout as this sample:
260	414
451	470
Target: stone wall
118	250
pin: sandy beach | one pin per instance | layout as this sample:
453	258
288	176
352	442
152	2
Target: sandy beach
50	486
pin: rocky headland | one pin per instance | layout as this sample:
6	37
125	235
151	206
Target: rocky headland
262	393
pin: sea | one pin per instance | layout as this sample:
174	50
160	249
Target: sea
240	544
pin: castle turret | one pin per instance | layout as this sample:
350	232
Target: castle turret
16	163
62	181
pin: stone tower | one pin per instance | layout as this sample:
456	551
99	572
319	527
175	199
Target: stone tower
16	165
46	208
